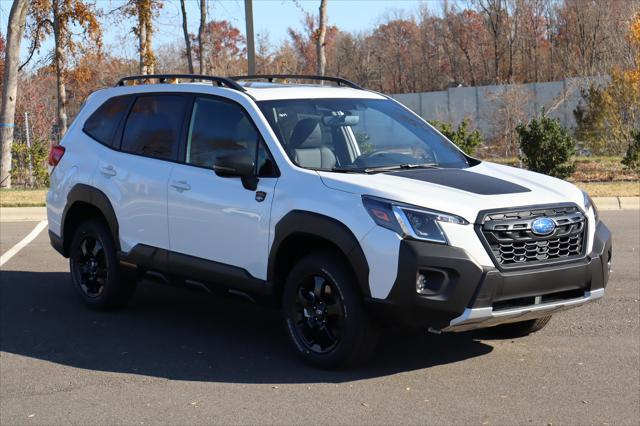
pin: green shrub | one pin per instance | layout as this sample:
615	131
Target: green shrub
631	159
38	154
466	139
547	147
590	115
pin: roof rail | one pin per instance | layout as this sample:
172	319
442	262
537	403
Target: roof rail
270	77
162	78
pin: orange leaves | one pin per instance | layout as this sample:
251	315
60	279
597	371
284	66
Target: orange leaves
634	33
635	29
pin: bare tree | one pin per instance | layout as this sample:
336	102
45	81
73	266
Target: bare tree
495	11
15	30
510	109
201	30
60	64
187	37
322	33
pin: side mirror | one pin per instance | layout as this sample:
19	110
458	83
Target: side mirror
237	165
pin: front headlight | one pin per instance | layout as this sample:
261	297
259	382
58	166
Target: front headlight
409	221
588	204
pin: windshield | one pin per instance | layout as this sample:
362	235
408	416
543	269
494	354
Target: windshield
357	135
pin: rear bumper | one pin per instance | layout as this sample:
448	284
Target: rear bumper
461	295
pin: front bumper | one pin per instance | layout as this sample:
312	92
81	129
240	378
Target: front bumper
460	295
473	318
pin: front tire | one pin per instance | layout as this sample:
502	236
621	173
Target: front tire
95	270
324	313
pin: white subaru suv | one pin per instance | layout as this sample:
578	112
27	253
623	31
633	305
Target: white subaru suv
336	204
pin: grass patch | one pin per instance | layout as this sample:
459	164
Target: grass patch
589	169
23	197
611	189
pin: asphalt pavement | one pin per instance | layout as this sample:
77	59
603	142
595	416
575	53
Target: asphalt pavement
180	357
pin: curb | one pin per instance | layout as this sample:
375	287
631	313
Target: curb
23	214
617	203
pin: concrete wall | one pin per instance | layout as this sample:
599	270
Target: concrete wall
484	105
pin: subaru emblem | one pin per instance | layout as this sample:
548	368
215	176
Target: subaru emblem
543	226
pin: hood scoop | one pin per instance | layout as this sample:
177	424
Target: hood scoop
461	179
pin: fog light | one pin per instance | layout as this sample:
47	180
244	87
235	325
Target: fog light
421	283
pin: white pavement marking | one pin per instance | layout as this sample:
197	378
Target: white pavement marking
23	243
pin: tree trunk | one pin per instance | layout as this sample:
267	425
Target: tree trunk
148	33
142	39
187	40
15	30
201	29
145	36
322	32
60	63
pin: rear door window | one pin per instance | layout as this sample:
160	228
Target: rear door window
103	123
154	126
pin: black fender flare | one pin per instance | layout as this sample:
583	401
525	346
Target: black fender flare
304	222
86	194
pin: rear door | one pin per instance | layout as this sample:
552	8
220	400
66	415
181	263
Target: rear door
135	175
212	217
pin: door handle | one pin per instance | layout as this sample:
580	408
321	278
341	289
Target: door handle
108	171
181	185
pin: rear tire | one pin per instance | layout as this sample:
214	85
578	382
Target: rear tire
324	313
521	329
95	270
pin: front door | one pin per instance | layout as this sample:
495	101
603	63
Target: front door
212	217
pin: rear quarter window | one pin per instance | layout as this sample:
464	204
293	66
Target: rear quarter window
103	123
154	125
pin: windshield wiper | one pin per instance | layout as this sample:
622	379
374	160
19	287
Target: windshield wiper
348	169
378	169
401	167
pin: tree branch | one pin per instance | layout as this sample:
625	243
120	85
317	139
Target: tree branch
35	42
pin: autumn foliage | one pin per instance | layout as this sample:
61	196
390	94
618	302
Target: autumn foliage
481	42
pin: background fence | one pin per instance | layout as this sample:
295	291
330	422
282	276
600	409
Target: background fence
492	108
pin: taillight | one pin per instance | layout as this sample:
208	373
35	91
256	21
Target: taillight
55	155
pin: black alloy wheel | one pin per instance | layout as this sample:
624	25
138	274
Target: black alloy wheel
91	267
324	312
319	314
95	270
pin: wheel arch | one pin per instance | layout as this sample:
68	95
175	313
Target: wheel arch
301	232
84	201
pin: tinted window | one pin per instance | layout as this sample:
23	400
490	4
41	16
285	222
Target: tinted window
153	127
104	122
265	166
220	128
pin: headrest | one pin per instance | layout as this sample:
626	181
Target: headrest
306	134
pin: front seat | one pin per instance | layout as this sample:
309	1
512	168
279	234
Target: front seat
306	147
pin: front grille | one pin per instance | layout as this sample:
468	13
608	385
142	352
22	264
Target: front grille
513	243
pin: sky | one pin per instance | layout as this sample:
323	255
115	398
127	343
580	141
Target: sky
270	16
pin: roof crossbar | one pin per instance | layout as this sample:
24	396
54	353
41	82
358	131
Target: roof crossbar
165	78
270	77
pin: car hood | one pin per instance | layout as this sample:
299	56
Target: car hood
464	192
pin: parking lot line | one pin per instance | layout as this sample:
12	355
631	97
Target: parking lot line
23	243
